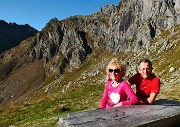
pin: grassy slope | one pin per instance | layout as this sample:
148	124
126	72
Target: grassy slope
46	112
43	109
168	58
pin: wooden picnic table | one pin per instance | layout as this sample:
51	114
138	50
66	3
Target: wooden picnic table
164	113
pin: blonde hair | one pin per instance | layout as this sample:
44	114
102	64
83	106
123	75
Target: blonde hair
117	63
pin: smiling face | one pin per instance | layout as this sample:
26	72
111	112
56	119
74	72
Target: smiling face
145	69
115	70
115	73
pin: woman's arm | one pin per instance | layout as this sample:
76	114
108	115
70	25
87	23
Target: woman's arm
130	93
104	97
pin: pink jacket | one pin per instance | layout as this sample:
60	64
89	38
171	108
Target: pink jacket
121	93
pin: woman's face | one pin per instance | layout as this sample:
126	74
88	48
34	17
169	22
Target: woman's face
115	73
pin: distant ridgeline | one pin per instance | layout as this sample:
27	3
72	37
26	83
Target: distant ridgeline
12	34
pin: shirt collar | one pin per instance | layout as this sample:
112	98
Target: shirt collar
118	82
150	77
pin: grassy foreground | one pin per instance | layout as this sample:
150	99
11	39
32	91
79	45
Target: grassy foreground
46	112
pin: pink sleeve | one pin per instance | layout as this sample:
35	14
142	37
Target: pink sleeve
130	93
105	97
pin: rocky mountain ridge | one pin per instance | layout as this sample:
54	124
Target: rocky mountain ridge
132	25
75	51
11	34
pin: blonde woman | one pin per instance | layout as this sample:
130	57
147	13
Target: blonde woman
117	92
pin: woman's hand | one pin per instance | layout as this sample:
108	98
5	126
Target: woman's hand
118	104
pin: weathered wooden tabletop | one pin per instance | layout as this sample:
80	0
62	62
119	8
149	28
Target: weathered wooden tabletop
160	114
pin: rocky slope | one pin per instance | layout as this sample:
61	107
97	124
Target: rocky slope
74	52
11	34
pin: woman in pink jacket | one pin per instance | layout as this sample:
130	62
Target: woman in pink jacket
117	92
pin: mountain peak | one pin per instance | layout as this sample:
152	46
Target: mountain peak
12	34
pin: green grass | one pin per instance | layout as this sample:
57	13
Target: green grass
170	93
46	112
168	59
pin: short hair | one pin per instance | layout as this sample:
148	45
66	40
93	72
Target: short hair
145	60
116	62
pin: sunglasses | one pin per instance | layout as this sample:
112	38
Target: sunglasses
115	70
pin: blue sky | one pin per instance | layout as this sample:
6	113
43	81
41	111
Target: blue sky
37	13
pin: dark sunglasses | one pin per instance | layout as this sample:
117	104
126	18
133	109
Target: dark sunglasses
115	70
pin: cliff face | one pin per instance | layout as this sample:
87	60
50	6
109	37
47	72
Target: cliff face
130	31
141	21
132	25
12	34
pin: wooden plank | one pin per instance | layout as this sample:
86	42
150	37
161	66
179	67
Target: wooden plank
163	115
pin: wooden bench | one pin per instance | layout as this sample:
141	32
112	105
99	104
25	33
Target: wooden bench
164	113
